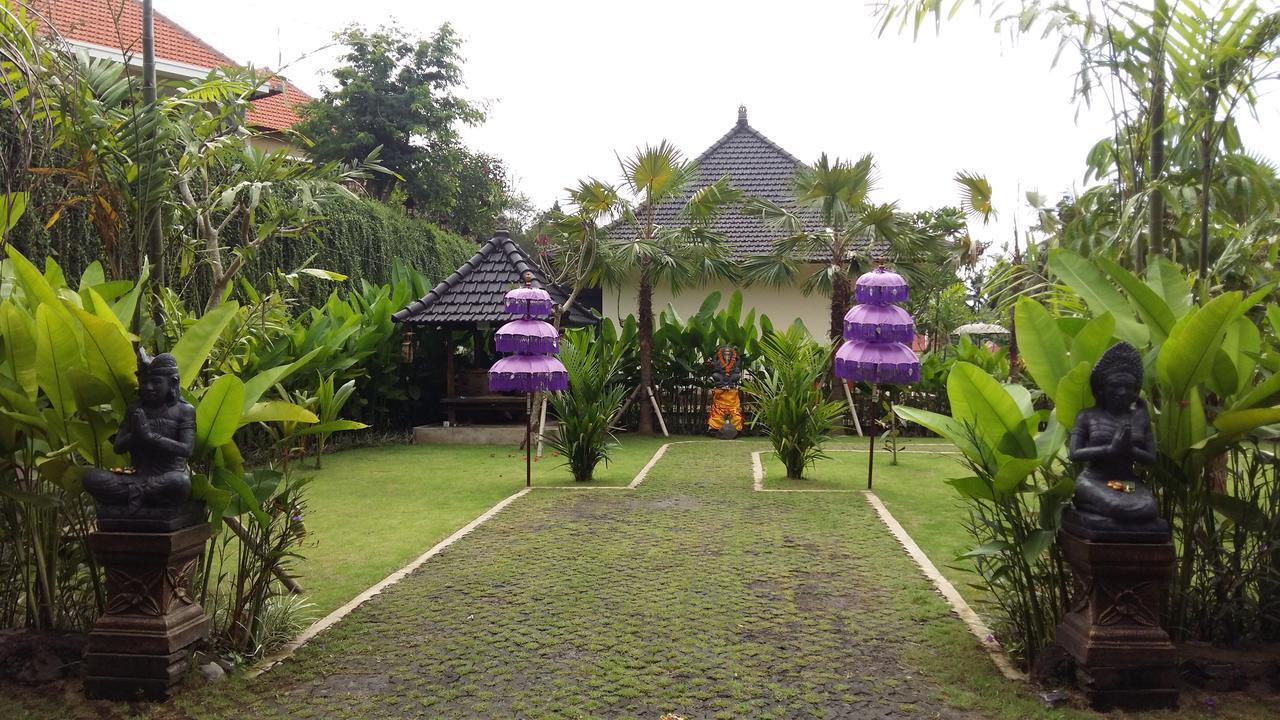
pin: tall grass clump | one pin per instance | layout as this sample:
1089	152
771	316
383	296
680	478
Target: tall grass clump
791	405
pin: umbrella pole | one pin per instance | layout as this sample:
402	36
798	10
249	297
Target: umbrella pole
528	448
871	437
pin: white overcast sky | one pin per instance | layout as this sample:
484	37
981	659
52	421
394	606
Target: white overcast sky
568	84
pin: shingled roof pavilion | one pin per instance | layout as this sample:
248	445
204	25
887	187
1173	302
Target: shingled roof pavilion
469	303
472	295
759	168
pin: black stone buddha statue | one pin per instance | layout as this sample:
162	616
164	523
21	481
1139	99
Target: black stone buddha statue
158	432
1110	501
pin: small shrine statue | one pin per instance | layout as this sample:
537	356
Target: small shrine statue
1108	439
159	434
726	405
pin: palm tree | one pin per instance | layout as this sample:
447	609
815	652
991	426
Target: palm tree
833	195
668	238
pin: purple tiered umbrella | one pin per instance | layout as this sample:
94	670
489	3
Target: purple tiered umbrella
533	367
877	336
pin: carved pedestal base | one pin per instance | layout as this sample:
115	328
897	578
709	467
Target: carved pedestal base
1124	659
139	648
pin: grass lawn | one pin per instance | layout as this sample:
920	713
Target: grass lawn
372	510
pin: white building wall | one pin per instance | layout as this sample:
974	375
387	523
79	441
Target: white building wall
782	305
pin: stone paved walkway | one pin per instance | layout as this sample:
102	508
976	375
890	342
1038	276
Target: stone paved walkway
690	595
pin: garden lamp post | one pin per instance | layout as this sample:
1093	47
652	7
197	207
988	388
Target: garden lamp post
877	336
533	367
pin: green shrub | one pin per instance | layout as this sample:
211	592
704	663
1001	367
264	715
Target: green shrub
791	404
586	410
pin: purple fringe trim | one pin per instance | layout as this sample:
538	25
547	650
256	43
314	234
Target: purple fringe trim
880	332
528	382
526	345
878	373
535	308
880	294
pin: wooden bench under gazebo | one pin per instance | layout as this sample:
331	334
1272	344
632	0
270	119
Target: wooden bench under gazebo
468	306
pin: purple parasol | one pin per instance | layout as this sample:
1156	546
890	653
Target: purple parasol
528	301
527	337
875	323
880	287
533	367
528	373
877	363
874	333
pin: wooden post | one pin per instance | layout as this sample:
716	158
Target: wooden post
542	421
658	411
857	424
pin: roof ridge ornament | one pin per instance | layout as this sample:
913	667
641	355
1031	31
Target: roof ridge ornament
742	116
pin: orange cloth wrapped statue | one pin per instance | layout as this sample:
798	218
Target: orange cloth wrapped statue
726	374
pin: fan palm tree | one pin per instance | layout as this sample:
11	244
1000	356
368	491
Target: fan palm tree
835	196
666	236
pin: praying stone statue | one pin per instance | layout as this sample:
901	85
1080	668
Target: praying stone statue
159	433
1110	502
725	416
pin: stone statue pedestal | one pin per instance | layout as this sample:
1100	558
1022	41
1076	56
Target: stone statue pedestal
1124	659
140	647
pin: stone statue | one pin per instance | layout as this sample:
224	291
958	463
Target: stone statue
725	416
159	434
1108	439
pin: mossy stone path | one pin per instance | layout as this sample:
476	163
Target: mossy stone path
691	595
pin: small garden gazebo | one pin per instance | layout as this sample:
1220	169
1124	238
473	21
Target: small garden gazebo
468	306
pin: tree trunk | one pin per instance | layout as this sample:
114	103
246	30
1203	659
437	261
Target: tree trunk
1155	233
1206	177
645	333
840	293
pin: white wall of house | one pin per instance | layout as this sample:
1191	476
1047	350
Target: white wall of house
782	305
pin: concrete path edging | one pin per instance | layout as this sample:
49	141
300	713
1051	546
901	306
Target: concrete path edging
944	587
288	649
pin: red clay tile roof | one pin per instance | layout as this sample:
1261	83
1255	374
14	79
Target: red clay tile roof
118	24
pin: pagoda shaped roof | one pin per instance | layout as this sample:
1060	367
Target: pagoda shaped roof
473	293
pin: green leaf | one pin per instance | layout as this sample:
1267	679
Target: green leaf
1074	394
972	488
1237	422
1099	294
1186	358
1035	544
996	547
215	498
1093	339
57	351
1152	308
944	426
331	427
977	399
12	205
1169	281
109	353
193	348
1242	346
218	414
126	307
277	411
248	502
1041	345
19	347
33	283
89	390
263	381
1013	472
1239	511
1264	394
